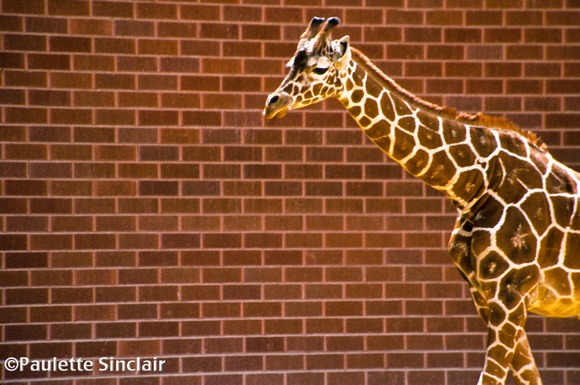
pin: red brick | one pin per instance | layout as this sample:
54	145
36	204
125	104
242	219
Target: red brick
31	7
12	60
69	44
14	42
25	115
57	7
134	28
115	9
71	80
395	16
200	12
213	31
11	23
502	35
28	78
220	66
115	45
462	35
157	47
156	11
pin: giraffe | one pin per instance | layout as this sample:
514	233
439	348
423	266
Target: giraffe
517	236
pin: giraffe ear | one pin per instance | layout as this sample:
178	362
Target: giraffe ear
341	48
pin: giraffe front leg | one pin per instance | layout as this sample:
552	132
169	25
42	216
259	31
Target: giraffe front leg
523	364
508	346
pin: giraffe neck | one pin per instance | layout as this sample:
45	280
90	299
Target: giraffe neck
414	133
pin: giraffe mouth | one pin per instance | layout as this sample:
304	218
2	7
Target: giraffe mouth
280	114
277	106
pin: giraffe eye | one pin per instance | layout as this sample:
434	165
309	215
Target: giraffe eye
320	70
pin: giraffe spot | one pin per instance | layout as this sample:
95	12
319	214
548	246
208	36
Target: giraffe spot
355	111
536	205
496	368
418	162
572	251
371	108
357	96
407	123
559	181
510	187
496	314
453	132
404	144
550	247
462	155
506	337
440	171
480	240
428	138
324	90
469	186
316	89
490	213
492	266
528	175
428	120
518	315
512	143
380	128
563	207
349	84
459	250
515	238
383	142
359	78
516	283
483	141
575	277
539	160
401	108
373	88
308	95
387	107
364	121
557	279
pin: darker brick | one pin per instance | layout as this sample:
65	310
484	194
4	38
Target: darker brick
115	81
262	171
171	241
69	44
49	62
17	42
116	9
31	7
158	188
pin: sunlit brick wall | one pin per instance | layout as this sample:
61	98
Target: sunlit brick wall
148	210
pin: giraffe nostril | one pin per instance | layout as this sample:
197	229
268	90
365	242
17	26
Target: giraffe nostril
274	99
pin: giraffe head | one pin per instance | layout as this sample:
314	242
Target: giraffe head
316	70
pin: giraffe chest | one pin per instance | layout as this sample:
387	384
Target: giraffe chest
529	249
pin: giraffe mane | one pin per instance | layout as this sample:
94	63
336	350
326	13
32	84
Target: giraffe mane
478	119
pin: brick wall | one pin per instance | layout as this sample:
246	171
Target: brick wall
149	210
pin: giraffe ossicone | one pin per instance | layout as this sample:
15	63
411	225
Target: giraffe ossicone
517	237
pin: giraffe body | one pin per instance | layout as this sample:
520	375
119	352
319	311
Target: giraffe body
517	236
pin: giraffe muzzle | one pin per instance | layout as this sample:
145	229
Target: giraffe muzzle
277	105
